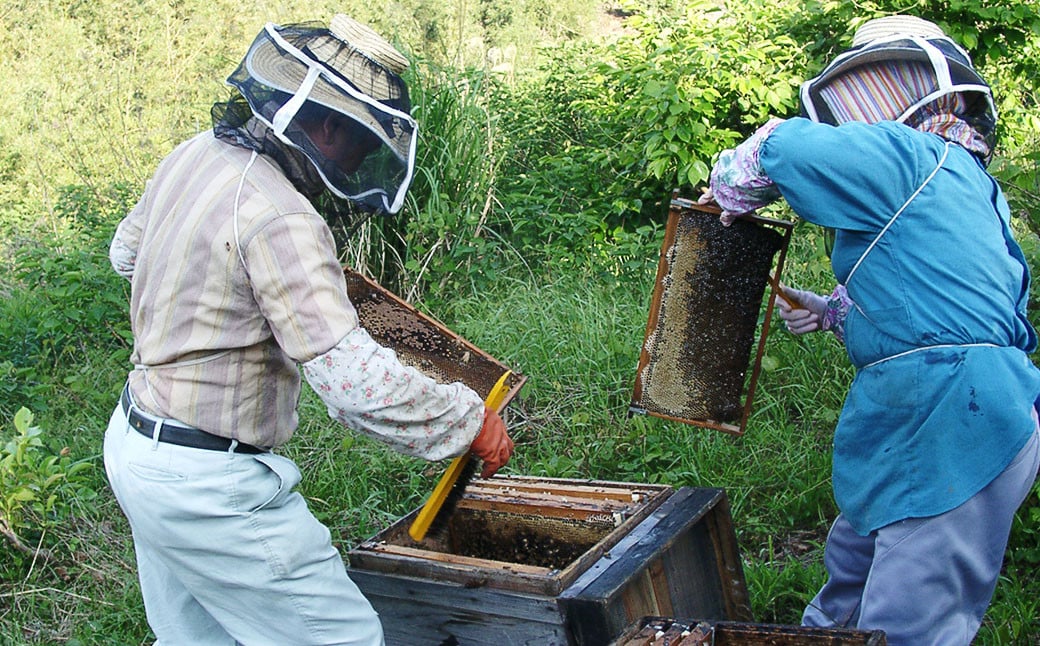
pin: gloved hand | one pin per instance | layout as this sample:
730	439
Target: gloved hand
808	317
726	217
493	445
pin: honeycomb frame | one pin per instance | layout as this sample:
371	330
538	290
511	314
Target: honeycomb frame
696	363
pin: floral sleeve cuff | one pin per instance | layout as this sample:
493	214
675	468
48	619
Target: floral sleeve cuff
838	306
738	182
366	388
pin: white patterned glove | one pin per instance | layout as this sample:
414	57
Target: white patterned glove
808	317
726	217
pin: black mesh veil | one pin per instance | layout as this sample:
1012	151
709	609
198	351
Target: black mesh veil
291	71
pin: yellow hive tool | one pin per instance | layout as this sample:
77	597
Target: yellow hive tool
435	502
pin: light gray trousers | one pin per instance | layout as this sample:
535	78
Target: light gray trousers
227	552
924	581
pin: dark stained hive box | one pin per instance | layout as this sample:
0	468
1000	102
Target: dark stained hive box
548	561
659	631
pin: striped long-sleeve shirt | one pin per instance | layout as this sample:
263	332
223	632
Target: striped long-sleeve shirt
235	284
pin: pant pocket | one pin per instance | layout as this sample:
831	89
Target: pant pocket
154	474
285	475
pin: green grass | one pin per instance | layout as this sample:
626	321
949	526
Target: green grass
579	349
577	338
494	191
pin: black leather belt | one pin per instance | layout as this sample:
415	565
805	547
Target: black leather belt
181	435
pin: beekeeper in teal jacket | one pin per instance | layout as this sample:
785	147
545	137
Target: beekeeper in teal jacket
937	443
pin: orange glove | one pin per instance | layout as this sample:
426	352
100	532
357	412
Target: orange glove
493	444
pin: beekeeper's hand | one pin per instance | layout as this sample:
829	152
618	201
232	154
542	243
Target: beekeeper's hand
726	217
493	445
808	316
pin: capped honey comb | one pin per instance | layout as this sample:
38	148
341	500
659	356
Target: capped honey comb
704	317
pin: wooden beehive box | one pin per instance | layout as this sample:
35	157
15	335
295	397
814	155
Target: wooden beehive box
660	631
549	561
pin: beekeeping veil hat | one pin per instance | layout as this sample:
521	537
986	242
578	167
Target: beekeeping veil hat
906	69
349	69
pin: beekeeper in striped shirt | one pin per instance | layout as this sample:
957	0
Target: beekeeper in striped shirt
937	443
235	285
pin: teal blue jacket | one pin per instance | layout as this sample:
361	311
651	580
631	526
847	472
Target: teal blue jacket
944	388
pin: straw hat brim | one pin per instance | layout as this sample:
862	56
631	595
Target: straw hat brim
365	40
894	26
278	69
271	67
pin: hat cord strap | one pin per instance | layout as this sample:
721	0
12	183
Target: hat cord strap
892	220
234	213
938	60
286	113
953	89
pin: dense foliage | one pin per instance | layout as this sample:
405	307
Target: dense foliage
552	134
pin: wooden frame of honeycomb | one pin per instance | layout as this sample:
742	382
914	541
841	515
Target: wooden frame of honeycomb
704	316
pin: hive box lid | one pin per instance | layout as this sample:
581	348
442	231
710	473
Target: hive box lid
516	533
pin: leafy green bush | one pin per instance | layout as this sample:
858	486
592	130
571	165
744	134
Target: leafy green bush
1020	178
602	134
557	208
63	300
693	83
35	484
66	302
